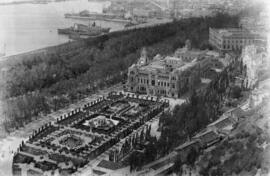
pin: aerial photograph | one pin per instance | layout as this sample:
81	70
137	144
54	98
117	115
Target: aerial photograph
134	88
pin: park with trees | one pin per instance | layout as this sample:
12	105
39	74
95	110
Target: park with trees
42	83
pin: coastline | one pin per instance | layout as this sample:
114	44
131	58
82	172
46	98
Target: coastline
30	2
7	60
16	3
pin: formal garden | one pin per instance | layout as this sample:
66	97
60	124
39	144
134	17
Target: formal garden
83	134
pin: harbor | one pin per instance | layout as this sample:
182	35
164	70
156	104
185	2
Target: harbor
86	15
75	16
132	14
24	31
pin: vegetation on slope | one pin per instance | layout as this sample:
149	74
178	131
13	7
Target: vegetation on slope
189	118
244	152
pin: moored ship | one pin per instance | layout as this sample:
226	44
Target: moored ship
81	29
98	16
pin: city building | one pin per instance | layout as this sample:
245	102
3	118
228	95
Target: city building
171	76
188	54
255	60
227	39
208	138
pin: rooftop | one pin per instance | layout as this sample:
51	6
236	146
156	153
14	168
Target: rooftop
222	122
232	32
207	136
187	65
155	65
187	144
159	65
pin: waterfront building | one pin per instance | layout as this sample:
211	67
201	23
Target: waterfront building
171	76
228	39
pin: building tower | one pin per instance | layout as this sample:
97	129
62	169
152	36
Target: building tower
144	58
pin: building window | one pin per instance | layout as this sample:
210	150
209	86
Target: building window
153	82
143	89
173	85
168	84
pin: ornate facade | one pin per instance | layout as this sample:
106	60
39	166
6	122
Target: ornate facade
168	76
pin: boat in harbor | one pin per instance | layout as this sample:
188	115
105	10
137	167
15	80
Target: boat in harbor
98	16
81	29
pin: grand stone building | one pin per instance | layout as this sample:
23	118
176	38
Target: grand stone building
228	39
169	76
